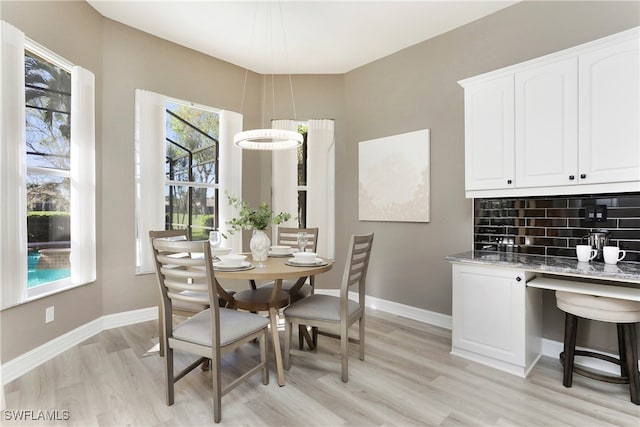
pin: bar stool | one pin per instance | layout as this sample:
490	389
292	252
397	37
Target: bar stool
625	314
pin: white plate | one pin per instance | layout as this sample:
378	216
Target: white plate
220	266
317	261
279	255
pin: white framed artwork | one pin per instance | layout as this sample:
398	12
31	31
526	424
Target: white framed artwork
393	175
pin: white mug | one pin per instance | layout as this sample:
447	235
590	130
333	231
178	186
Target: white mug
613	254
585	253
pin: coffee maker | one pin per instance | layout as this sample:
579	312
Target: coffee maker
598	239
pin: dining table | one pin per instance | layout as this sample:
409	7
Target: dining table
276	269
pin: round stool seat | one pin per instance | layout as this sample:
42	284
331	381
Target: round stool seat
604	309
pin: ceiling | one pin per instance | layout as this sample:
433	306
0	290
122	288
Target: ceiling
296	37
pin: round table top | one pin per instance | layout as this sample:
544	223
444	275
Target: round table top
275	268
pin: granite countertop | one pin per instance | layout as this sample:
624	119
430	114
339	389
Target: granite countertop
623	271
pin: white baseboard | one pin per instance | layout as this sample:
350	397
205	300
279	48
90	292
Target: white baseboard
418	314
24	363
31	359
550	348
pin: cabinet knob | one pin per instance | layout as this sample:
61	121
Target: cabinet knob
583	175
572	177
508	181
518	279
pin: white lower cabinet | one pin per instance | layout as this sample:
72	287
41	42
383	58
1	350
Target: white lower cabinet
496	317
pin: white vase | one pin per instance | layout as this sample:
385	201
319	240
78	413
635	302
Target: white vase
259	245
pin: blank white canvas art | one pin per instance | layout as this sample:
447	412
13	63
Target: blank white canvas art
393	174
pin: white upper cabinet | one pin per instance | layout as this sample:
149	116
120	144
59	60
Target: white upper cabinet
572	125
610	114
547	124
489	153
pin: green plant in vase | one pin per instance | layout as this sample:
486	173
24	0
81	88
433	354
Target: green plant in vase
257	220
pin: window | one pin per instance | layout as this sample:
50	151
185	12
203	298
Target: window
191	194
48	133
304	181
185	160
48	176
302	177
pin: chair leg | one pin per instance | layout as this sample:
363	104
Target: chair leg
287	343
301	337
570	332
264	356
621	350
631	357
217	386
361	336
168	360
344	351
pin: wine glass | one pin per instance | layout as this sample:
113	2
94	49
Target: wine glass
215	239
303	239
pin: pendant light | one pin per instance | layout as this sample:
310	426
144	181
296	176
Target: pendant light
269	139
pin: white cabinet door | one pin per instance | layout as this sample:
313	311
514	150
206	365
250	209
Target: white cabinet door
488	313
546	104
489	149
610	114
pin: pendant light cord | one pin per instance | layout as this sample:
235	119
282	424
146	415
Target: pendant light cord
286	61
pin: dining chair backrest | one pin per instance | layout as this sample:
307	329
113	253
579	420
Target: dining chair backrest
288	236
181	234
182	276
355	271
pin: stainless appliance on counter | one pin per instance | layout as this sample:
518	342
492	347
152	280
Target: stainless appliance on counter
598	239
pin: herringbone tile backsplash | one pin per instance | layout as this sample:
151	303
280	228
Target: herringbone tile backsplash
554	225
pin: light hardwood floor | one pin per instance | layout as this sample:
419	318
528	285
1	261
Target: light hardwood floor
408	378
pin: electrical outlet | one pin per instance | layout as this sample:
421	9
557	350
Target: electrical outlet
597	213
48	315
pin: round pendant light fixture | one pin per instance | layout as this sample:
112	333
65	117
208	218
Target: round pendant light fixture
268	139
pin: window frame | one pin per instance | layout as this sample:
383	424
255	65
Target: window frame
13	233
66	283
149	159
194	184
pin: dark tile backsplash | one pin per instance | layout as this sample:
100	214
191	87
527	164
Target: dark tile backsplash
554	225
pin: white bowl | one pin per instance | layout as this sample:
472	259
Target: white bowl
280	250
232	260
304	257
220	251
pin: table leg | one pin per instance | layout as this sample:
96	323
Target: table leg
273	317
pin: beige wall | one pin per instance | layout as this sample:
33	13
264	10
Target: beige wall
74	31
413	89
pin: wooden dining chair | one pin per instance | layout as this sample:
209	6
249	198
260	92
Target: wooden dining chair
334	315
301	287
179	307
211	332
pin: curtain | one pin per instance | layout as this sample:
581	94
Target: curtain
149	173
83	177
284	176
13	208
321	183
230	175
